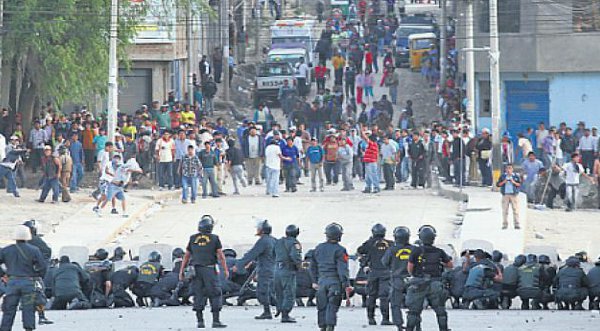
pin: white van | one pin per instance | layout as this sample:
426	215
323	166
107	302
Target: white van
285	33
291	56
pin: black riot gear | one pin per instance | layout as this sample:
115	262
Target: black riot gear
31	224
532	258
378	230
177	253
206	224
334	231
230	252
101	254
520	260
154	257
292	231
544	259
119	253
264	227
427	234
402	235
497	256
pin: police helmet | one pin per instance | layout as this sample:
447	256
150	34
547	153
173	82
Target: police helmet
101	254
292	231
531	258
573	262
520	260
334	231
544	259
378	230
309	255
177	253
402	235
263	226
31	224
154	257
206	224
597	261
119	252
427	234
230	252
497	256
582	256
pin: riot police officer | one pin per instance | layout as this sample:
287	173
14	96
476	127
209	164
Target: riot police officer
329	270
37	241
100	270
378	285
118	254
482	274
396	259
149	274
510	281
68	280
121	280
572	284
288	260
24	265
426	264
262	253
304	282
594	278
529	283
204	250
547	275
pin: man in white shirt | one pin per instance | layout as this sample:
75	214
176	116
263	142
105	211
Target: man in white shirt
165	154
303	78
572	171
273	159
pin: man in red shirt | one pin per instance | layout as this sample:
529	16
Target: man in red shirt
370	159
320	72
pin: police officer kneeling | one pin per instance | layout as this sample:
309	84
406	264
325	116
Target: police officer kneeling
204	249
24	263
288	260
426	264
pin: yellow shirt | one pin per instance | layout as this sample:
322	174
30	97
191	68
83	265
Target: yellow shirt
130	131
188	117
338	62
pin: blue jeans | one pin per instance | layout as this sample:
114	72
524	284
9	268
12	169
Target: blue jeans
19	290
165	174
393	93
11	184
47	184
76	177
209	176
405	171
272	181
371	176
189	182
486	172
289	171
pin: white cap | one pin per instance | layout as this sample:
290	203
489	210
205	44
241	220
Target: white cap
22	233
485	130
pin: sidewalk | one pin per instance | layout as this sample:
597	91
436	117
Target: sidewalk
74	223
483	219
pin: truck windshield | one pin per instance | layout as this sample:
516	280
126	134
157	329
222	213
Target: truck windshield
290	40
289	58
275	70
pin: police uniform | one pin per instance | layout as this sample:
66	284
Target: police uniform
572	286
100	273
426	284
478	287
288	259
594	278
67	280
203	248
396	259
262	253
510	279
40	297
378	285
121	280
24	265
304	287
148	276
454	280
529	285
329	269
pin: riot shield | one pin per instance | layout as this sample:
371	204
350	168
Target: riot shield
78	254
120	265
538	250
449	249
164	250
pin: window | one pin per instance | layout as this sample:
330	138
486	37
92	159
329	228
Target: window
484	99
586	15
509	16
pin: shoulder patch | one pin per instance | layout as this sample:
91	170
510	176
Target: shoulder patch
298	246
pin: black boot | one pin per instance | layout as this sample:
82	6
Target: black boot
505	303
525	304
200	320
311	303
43	319
330	328
216	324
578	306
266	315
156	303
285	317
385	317
371	315
442	322
299	302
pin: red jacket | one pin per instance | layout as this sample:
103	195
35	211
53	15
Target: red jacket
369	58
320	71
371	153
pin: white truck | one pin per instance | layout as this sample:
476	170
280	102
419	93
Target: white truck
293	32
269	77
292	56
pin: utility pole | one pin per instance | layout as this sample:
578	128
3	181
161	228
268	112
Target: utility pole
225	32
495	90
443	46
190	57
113	71
470	56
258	13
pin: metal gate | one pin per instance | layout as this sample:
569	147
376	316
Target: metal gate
135	90
527	104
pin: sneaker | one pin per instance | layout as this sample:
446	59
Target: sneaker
96	209
183	201
236	193
313	190
517	227
125	216
114	211
275	195
193	201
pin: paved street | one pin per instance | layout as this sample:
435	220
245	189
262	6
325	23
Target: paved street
350	319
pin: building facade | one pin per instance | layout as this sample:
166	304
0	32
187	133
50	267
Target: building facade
549	62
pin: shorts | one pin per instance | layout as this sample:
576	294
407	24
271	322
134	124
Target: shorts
114	191
103	187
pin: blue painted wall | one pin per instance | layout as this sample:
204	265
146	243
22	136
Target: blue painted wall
574	98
